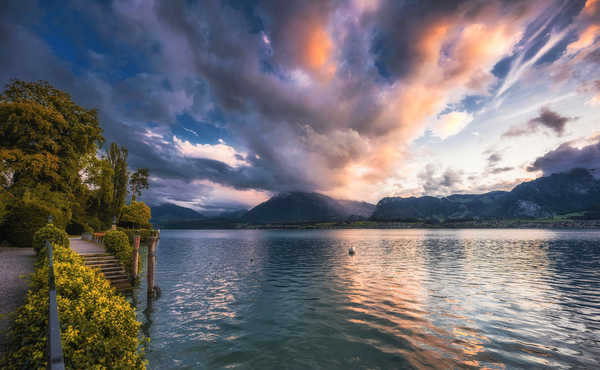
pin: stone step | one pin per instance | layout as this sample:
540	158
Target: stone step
112	270
106	262
119	282
109	268
115	275
91	255
99	259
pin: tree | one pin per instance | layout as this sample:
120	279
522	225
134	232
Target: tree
99	176
43	137
136	215
137	182
117	157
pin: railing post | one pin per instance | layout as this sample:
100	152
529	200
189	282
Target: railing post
151	262
136	254
55	352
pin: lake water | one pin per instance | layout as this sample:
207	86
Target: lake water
275	299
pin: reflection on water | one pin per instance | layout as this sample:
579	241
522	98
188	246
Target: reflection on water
407	299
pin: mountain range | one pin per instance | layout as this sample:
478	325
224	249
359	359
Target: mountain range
545	197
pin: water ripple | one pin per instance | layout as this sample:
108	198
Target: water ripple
407	299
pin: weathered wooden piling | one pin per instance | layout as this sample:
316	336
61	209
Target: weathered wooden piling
136	255
151	262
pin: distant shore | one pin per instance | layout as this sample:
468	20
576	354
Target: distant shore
479	224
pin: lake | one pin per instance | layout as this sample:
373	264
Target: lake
275	299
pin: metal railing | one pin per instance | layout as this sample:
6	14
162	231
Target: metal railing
55	352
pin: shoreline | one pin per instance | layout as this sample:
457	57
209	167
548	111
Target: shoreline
492	224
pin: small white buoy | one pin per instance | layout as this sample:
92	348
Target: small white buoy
351	251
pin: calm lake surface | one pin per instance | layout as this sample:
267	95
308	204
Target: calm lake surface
275	299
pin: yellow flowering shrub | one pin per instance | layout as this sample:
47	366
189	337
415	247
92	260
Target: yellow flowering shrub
117	243
51	233
99	329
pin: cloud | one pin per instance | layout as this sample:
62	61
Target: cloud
592	88
451	124
322	96
202	195
569	155
448	182
494	158
546	119
219	152
498	170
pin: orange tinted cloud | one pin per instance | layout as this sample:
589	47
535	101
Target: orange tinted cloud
318	47
586	38
591	7
456	56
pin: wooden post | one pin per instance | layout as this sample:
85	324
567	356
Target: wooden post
136	254
151	261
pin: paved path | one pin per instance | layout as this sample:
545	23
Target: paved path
85	247
15	264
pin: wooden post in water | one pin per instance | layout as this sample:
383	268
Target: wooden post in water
151	261
136	254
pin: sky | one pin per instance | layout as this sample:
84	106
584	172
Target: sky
230	102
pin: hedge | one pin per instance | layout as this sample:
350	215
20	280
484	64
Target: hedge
24	218
117	243
98	327
145	234
51	233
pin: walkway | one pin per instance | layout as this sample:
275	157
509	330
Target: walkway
95	256
86	247
15	265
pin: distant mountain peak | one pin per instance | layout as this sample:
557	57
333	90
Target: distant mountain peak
169	212
298	207
547	196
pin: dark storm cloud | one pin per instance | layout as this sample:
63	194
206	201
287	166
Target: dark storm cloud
399	24
566	157
546	119
305	89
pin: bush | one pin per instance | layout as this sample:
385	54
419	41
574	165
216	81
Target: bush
25	218
145	234
78	228
117	243
136	215
51	233
96	225
98	327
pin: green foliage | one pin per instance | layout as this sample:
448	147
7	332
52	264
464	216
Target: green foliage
26	216
6	199
43	137
145	234
98	175
117	243
98	327
51	233
44	140
137	182
117	158
78	228
96	224
136	215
